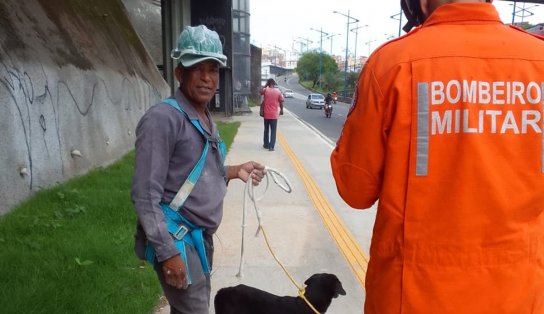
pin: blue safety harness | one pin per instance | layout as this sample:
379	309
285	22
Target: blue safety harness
184	231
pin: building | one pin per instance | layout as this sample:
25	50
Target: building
538	29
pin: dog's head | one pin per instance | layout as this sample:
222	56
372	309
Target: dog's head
325	282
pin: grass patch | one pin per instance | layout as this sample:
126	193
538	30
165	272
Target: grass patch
314	89
228	131
253	102
69	249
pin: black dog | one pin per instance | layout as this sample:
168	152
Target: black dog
320	290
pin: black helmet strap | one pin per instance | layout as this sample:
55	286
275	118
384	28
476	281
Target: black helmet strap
413	14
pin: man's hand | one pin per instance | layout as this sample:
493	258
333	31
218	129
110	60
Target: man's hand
174	272
243	171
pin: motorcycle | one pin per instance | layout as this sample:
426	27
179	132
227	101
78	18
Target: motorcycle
328	110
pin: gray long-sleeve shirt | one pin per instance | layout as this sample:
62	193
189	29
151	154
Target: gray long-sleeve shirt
168	146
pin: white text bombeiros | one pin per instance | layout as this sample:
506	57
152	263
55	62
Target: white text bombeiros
486	107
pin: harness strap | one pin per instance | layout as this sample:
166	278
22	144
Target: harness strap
191	180
184	231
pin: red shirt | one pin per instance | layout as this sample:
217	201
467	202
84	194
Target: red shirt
272	98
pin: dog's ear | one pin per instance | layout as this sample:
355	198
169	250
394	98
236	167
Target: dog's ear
338	289
309	280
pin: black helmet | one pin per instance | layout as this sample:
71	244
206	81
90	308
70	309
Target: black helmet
413	14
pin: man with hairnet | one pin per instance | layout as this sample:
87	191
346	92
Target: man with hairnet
180	178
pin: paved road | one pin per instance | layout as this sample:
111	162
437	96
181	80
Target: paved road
330	127
359	223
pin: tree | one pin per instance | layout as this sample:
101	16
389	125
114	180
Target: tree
308	66
352	81
331	80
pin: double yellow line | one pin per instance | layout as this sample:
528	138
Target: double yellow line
355	257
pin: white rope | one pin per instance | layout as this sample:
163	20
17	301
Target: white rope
249	192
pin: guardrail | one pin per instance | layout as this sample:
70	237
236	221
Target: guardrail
346	100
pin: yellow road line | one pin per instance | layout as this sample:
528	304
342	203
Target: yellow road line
353	254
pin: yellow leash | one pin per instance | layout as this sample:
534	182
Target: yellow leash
301	290
270	172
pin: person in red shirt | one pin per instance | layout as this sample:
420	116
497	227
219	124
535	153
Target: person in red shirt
272	100
446	132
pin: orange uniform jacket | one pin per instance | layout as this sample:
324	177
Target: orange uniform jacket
446	131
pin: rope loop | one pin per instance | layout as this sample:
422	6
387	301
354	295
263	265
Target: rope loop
281	181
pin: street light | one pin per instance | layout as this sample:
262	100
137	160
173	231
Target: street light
331	36
276	54
284	54
368	44
398	16
523	10
307	42
356	30
389	36
320	52
347	42
295	41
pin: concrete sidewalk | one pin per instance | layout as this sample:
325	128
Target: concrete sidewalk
297	233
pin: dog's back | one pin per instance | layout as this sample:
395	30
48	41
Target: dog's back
242	299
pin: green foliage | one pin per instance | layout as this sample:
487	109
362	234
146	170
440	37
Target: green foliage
228	131
308	66
252	102
352	81
69	249
331	81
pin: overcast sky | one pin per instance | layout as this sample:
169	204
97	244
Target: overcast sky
283	23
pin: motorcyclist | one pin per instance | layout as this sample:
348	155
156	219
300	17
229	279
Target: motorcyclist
328	99
334	97
328	104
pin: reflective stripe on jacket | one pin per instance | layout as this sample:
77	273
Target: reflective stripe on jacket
446	131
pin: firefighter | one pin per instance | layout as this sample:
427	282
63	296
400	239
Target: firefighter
445	132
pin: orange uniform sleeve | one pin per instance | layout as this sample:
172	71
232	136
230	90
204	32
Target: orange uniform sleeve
358	159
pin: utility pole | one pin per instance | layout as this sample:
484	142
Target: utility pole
307	42
398	16
368	44
347	45
320	30
356	30
331	36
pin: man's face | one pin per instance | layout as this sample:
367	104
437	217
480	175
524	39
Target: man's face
199	82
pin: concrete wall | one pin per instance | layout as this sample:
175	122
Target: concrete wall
73	76
256	84
145	16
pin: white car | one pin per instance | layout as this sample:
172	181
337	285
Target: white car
315	101
288	93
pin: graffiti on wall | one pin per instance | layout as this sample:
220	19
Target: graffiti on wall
43	110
